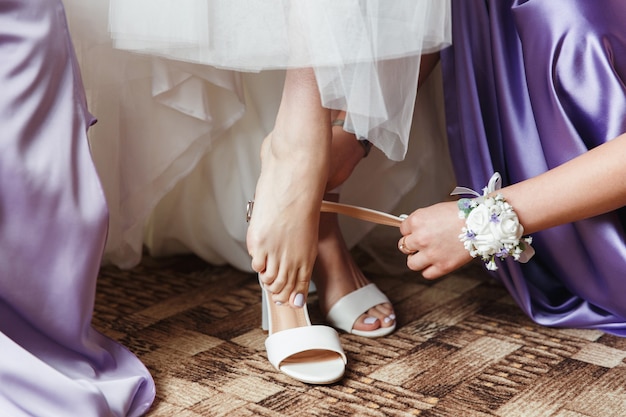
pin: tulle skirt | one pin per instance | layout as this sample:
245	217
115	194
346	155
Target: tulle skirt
177	141
366	54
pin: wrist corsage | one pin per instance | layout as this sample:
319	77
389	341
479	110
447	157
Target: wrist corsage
492	228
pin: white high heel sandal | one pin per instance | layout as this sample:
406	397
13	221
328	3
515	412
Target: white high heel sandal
310	354
313	354
345	312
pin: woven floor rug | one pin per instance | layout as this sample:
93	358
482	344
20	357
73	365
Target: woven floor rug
462	349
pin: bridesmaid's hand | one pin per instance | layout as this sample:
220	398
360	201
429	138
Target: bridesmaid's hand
431	240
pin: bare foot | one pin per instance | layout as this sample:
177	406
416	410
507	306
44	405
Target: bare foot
336	275
283	231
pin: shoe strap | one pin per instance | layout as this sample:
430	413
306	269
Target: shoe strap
345	312
362	213
284	344
357	212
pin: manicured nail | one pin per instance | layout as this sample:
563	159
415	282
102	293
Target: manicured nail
278	303
392	316
298	300
388	319
370	320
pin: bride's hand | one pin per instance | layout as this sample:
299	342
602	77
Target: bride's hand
431	240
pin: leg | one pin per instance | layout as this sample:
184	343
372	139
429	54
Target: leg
283	232
336	274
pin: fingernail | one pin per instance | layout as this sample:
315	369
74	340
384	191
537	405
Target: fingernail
370	320
298	300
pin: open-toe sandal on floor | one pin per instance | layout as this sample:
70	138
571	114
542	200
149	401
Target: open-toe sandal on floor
310	354
345	312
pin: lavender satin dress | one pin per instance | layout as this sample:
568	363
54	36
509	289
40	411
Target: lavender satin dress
53	221
529	85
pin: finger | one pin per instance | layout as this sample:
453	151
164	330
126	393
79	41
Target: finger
406	227
404	247
422	263
432	272
417	261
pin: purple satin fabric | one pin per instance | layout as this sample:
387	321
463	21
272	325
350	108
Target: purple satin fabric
53	222
529	85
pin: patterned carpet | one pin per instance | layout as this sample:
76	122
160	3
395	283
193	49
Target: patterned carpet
462	349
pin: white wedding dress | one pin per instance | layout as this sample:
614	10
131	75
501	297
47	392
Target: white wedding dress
185	91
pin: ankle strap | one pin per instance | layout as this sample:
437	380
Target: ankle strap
362	213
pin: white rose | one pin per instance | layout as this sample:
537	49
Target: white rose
478	220
485	244
507	230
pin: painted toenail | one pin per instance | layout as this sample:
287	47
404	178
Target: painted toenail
298	300
388	319
370	320
278	303
392	316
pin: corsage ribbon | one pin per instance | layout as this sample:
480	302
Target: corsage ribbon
495	183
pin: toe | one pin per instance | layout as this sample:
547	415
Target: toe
367	323
300	290
379	316
385	313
